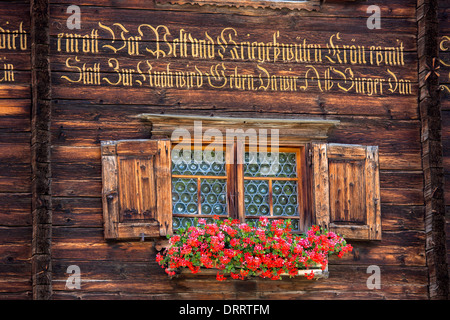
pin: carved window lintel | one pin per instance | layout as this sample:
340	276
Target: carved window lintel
291	132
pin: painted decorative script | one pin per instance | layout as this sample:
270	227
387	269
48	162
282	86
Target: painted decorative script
157	57
11	39
444	46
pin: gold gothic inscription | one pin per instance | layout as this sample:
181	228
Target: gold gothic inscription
11	39
444	45
162	58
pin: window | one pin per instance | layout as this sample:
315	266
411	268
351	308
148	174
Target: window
199	186
273	189
149	190
203	184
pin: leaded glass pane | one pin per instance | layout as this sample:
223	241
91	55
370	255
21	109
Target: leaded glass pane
256	197
213	196
185	193
198	163
268	164
294	223
284	198
184	196
182	222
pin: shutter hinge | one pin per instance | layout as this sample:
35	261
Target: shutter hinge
310	156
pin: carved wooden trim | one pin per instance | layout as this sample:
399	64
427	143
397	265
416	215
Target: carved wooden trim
309	5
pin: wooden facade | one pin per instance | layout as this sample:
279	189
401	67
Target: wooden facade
64	92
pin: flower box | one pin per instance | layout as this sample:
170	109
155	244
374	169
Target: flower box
241	250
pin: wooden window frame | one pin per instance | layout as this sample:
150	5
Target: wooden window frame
302	176
229	177
292	133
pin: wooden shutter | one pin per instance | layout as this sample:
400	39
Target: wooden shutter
346	190
137	188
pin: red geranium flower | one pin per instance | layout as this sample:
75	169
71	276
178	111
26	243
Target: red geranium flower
265	249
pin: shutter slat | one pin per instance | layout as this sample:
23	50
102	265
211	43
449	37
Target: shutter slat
373	193
163	170
110	197
321	185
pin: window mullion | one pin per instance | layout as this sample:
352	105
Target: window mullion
230	161
239	164
270	198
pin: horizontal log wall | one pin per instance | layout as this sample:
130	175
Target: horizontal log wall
15	153
83	114
444	72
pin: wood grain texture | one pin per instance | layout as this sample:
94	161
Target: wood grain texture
83	115
15	154
308	5
444	80
40	149
347	188
136	184
432	148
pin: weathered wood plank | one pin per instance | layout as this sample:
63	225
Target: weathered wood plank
209	285
15	178
215	23
19	251
15	91
396	218
397	248
77	188
207	102
110	277
89	138
78	212
392	8
388	161
19	59
15	209
15	115
15	151
142	65
288	88
390	136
